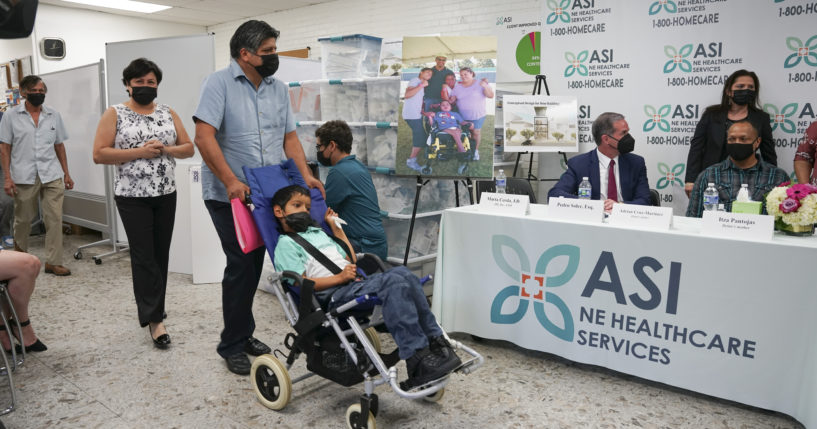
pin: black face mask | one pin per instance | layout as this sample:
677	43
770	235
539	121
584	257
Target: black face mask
743	97
323	159
269	65
300	221
143	95
36	98
740	151
626	144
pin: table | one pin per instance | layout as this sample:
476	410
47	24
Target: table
729	318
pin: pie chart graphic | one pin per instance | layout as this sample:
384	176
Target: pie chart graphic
528	52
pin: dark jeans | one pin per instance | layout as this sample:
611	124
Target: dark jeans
418	133
405	308
239	283
148	223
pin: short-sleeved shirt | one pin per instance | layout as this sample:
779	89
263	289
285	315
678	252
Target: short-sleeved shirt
32	148
807	150
144	177
351	193
290	256
251	124
470	100
445	120
413	106
727	177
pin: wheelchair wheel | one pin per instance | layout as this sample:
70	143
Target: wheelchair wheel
436	396
371	335
271	382
352	414
426	170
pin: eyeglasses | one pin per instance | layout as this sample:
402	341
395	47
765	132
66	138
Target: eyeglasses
319	146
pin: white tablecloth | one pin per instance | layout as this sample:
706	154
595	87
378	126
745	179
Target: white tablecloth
729	318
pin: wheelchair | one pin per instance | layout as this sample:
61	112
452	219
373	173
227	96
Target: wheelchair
341	345
442	147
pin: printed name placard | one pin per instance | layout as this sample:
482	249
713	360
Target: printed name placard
738	225
575	209
641	216
491	202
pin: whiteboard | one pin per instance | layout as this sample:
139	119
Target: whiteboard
185	62
77	94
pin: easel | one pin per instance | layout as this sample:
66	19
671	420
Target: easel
537	90
469	185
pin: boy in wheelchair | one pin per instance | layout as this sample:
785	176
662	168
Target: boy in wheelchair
450	123
419	339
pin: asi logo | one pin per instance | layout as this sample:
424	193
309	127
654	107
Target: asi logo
657	118
781	117
576	65
558	11
667	5
670	177
678	58
503	20
534	285
807	52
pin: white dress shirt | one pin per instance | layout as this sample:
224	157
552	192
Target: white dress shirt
604	163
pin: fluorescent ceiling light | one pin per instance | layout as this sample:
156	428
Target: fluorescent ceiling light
133	6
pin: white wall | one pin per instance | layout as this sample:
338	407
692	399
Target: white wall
12	49
85	33
383	18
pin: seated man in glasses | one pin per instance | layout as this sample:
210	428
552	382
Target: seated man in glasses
349	189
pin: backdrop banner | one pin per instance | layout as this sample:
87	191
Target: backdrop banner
661	63
659	305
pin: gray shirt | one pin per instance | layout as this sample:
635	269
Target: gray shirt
32	148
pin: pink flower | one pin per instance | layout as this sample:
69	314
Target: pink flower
786	183
799	191
789	205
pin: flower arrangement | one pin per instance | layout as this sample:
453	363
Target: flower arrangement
794	207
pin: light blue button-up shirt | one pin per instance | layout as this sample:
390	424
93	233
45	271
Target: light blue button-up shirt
32	147
250	124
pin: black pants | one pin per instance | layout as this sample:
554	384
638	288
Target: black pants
239	283
148	223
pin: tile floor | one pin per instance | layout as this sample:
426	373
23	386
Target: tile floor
101	371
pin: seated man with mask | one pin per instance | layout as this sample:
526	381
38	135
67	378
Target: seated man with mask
615	174
349	189
742	166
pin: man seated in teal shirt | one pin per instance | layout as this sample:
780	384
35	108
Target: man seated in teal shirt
349	189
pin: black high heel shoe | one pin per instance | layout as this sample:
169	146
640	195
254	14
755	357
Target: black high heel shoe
38	345
162	341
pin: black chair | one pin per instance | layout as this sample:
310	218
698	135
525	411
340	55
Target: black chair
655	198
513	185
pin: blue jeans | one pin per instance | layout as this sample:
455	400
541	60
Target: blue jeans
405	309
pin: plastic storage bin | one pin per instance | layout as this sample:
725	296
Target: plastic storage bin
359	141
396	194
344	100
305	100
306	134
383	96
381	144
423	238
351	56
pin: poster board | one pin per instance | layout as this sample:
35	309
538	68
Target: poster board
540	123
425	150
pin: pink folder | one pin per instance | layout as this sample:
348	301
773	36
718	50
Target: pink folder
245	230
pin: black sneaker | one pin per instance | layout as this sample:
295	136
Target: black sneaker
426	366
239	364
442	347
255	347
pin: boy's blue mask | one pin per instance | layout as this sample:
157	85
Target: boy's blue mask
300	221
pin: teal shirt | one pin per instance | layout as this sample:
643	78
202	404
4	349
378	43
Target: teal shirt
351	193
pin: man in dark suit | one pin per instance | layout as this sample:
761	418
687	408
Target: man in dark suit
616	175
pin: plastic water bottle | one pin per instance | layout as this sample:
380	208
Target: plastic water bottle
743	194
585	189
711	197
501	180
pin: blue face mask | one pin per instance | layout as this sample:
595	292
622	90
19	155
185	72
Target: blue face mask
300	221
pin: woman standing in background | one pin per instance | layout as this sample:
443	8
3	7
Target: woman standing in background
142	139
